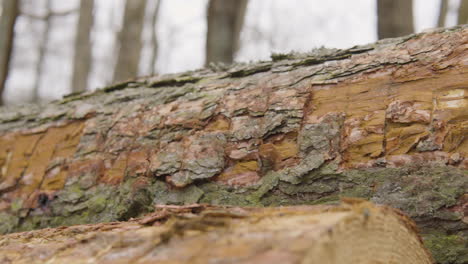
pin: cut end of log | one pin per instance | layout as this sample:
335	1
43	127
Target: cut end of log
355	231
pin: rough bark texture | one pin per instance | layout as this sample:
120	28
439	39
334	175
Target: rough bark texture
7	27
130	40
386	122
356	232
225	20
83	57
395	18
463	12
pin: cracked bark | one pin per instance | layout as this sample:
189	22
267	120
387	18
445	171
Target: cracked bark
386	122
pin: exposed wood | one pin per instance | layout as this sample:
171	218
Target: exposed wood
129	39
82	58
357	232
385	122
395	18
224	23
8	15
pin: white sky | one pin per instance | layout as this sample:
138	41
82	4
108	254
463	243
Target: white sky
271	25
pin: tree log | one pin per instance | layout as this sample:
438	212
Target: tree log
356	232
386	122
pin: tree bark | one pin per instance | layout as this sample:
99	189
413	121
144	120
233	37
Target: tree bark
130	41
83	57
385	122
356	232
8	17
463	12
395	18
224	22
443	10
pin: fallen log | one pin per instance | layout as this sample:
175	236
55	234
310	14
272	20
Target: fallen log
354	232
386	122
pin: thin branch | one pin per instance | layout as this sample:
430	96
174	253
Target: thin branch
50	14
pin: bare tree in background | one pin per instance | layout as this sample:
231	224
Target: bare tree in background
130	40
395	18
443	10
154	36
82	58
225	19
40	65
463	12
8	14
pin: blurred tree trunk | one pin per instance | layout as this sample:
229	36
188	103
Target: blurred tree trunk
42	51
154	37
8	17
463	12
442	13
82	58
225	20
130	40
395	18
